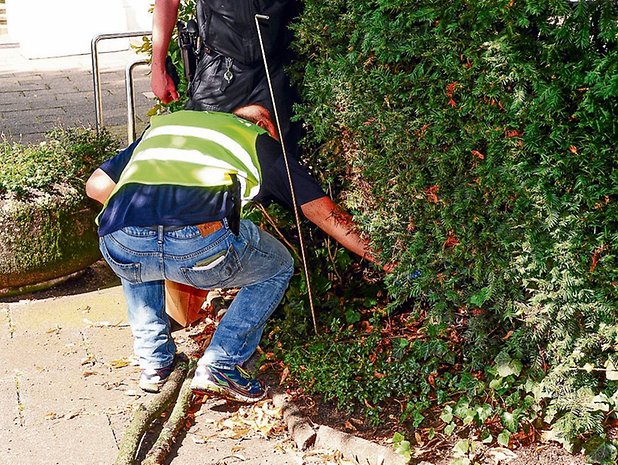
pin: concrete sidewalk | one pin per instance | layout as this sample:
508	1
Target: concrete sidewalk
70	387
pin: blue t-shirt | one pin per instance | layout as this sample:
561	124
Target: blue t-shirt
168	205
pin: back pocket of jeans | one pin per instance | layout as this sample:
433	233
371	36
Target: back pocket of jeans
215	270
128	271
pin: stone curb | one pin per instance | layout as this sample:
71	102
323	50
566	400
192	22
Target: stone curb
306	435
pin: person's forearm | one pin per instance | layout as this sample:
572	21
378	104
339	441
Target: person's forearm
163	22
338	224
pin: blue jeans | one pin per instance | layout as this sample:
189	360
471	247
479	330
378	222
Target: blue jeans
253	261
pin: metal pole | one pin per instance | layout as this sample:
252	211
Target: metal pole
287	168
94	55
128	80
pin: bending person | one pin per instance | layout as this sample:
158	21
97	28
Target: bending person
171	211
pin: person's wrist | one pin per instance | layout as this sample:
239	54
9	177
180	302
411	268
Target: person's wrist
158	66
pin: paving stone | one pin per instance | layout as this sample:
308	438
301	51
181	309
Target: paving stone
19	131
10	108
24	87
7	98
28	79
76	441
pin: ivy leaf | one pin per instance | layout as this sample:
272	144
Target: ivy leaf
504	437
462	447
506	366
610	371
599	403
447	415
402	446
510	421
480	297
601	452
352	316
450	428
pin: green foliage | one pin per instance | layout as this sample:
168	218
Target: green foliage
402	447
66	157
475	142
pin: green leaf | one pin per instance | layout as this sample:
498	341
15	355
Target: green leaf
447	414
510	421
507	366
610	371
352	316
604	453
486	437
462	447
402	446
480	297
504	438
450	428
417	419
484	412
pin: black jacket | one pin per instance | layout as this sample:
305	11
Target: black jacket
228	27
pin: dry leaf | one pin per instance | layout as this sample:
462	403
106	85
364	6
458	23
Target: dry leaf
120	363
89	359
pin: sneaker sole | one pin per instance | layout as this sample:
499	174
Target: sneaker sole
151	388
211	388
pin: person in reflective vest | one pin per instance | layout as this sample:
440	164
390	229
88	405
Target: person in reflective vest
171	206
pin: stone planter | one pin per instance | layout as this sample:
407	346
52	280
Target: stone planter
45	239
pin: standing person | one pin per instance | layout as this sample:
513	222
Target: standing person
172	211
230	72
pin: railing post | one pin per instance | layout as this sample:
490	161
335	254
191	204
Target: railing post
96	81
128	80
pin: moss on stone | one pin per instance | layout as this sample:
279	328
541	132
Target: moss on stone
48	231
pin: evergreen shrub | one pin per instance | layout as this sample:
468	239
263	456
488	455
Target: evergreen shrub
476	143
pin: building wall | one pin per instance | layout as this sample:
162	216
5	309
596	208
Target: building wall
46	28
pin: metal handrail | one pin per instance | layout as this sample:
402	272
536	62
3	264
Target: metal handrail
128	80
94	53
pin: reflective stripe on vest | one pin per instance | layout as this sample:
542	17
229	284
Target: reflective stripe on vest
196	149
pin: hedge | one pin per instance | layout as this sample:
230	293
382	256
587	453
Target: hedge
479	146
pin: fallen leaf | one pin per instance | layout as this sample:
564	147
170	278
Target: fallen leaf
284	375
120	363
89	359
